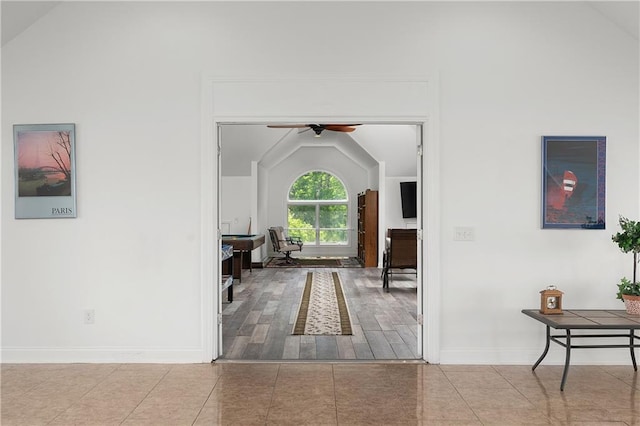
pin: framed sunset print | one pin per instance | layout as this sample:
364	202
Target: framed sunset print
573	182
45	172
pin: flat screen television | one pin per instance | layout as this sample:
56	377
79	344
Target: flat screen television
408	195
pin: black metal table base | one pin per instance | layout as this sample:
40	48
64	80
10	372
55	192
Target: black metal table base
568	346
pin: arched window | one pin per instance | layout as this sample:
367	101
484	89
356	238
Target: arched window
318	209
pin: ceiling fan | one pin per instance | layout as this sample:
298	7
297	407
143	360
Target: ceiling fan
317	128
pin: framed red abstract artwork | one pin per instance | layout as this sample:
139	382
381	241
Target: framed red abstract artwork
573	182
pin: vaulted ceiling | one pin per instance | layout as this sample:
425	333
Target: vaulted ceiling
17	16
395	144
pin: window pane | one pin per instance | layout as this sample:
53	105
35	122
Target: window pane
333	224
302	216
317	186
333	236
308	236
333	216
302	223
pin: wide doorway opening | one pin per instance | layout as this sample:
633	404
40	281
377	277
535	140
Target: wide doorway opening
257	167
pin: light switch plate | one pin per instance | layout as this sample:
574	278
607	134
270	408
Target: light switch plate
464	233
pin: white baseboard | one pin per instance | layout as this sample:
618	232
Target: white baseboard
101	355
195	356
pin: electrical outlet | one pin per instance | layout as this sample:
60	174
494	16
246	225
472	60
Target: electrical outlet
461	233
89	316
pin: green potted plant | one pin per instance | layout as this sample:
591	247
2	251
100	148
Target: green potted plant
629	241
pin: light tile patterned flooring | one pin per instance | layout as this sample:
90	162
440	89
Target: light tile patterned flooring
257	325
299	393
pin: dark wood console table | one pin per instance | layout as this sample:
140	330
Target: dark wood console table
242	244
587	319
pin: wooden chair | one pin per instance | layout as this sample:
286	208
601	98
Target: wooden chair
401	253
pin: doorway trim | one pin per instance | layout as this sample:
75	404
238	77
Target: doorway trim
379	100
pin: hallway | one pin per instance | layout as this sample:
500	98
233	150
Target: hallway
257	325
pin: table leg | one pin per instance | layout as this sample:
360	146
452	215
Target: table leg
566	360
230	288
237	265
546	349
631	347
385	279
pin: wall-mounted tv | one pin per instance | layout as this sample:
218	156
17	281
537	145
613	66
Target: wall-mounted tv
409	196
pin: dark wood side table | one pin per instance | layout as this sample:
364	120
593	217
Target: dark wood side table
587	319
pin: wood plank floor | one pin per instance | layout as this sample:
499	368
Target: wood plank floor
258	324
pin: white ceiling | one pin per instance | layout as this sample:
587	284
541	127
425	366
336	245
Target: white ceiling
17	16
395	144
624	14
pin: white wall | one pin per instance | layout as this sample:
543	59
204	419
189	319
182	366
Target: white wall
325	158
556	82
394	204
129	75
235	201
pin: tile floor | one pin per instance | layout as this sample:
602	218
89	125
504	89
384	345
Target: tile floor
280	393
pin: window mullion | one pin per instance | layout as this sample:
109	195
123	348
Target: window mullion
317	224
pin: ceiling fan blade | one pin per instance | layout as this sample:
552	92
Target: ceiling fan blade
287	126
340	127
318	128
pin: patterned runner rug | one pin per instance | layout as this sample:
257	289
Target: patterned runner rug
323	308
